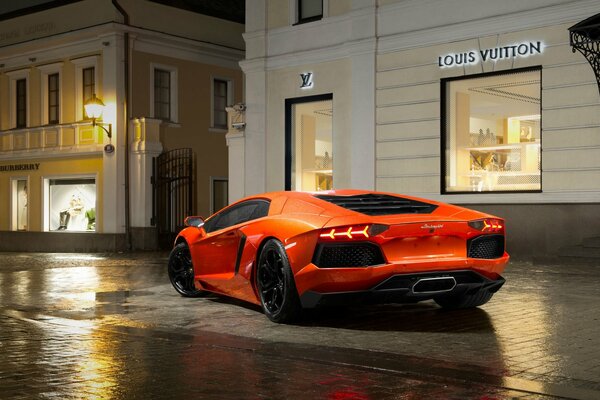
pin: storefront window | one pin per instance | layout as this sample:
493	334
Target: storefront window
492	133
310	144
72	204
19	202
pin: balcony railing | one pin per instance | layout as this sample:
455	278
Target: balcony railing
76	137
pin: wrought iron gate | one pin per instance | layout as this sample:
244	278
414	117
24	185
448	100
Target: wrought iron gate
173	182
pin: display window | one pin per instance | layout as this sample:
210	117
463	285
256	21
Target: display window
310	144
20	214
71	205
492	132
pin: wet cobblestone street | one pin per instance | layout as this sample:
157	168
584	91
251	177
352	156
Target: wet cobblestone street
110	326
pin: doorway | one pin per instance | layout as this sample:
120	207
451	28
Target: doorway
309	143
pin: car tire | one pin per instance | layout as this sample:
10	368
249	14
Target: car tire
181	271
464	300
275	284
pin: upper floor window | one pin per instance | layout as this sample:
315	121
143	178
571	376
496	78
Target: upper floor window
162	94
51	93
310	10
87	81
53	99
18	98
221	97
89	84
21	102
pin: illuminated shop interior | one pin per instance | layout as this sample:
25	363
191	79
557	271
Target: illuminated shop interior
71	205
493	133
312	142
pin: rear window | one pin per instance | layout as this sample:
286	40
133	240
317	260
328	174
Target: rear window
379	204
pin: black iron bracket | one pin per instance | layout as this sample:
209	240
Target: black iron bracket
585	38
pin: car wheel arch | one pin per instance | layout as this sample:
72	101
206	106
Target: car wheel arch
181	239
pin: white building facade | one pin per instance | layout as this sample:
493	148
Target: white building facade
482	104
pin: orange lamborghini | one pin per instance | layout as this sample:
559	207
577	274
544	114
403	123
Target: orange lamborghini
286	251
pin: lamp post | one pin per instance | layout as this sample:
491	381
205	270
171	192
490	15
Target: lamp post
93	109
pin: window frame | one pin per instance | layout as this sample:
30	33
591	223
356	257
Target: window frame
289	128
159	74
213	181
46	71
14	77
21	113
80	65
173	91
228	101
444	129
85	85
298	17
53	95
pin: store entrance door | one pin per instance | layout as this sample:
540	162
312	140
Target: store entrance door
173	182
309	143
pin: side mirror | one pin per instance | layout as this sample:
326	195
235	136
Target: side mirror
197	222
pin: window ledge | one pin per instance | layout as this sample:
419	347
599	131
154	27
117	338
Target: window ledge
171	124
308	20
217	130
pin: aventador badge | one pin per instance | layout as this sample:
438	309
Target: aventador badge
306	80
432	227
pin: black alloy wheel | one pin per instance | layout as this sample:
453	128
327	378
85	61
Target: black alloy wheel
275	284
181	271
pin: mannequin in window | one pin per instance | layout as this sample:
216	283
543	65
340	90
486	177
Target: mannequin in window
74	211
22	203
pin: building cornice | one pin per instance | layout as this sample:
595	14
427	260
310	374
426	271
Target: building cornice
94	39
518	21
254	65
325	40
315	56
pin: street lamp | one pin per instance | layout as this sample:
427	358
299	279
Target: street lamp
93	108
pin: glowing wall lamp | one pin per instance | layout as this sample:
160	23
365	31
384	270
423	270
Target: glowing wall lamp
93	109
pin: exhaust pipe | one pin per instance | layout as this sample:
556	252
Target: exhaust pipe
434	285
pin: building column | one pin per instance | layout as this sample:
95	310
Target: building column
113	96
254	68
362	58
144	147
236	147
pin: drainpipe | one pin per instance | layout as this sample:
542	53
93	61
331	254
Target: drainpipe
126	67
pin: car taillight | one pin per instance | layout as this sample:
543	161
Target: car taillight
488	225
354	232
345	233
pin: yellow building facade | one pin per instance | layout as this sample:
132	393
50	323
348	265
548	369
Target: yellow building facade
165	76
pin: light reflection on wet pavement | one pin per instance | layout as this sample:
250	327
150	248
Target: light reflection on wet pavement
110	326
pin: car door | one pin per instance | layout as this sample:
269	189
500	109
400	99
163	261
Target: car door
216	255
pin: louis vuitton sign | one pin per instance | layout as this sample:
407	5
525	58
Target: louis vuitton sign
519	50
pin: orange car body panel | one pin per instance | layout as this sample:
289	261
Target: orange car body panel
413	243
